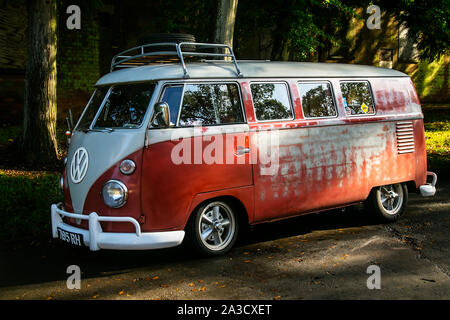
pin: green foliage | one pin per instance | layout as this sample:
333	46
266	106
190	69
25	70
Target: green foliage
303	28
25	204
427	22
437	137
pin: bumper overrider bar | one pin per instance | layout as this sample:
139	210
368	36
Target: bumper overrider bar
96	239
429	189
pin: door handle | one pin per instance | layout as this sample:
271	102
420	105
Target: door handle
240	150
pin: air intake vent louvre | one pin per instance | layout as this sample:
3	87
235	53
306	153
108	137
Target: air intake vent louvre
405	137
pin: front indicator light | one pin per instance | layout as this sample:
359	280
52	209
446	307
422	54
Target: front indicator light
127	167
114	194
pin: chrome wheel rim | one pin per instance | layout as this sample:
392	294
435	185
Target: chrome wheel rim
391	198
216	226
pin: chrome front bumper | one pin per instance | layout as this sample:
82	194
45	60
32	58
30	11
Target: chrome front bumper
96	239
429	189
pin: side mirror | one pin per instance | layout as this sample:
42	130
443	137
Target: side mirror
161	115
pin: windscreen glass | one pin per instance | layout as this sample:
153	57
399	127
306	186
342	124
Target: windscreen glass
125	106
92	108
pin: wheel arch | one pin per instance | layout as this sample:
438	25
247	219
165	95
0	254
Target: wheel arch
241	210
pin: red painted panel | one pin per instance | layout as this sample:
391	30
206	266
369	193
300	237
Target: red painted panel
94	201
168	188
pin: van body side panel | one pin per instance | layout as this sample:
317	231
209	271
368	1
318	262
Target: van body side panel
325	163
398	99
321	167
175	171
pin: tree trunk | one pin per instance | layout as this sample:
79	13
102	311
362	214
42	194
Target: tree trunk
225	18
39	146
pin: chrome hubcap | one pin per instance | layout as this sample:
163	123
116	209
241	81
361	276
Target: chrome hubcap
216	226
391	198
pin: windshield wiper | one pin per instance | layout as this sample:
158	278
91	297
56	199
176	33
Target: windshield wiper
109	130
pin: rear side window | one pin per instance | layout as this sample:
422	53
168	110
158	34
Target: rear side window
271	101
357	97
210	104
317	99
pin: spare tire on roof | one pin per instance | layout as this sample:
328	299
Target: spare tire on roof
167	37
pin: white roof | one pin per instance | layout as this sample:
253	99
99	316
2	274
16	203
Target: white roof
249	69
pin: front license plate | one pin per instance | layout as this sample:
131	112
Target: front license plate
75	239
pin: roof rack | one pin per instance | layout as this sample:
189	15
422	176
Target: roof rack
139	56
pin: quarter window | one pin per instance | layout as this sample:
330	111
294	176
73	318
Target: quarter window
210	104
357	97
172	96
271	101
317	99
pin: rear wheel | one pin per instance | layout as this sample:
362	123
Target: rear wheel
214	228
387	203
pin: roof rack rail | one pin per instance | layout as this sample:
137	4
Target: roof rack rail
138	56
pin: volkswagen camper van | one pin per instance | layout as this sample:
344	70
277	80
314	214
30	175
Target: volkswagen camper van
171	148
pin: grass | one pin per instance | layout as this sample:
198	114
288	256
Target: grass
25	204
437	137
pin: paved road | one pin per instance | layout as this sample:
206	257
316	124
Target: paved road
320	256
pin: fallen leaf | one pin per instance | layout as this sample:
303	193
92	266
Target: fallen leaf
121	293
155	278
276	298
191	284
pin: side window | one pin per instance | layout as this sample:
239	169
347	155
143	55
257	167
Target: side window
271	101
357	97
317	99
172	96
210	104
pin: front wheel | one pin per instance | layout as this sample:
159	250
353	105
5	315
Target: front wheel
387	203
214	228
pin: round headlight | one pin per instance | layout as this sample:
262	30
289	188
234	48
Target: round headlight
127	167
114	193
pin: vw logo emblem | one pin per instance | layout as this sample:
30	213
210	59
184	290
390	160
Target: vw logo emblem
79	165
